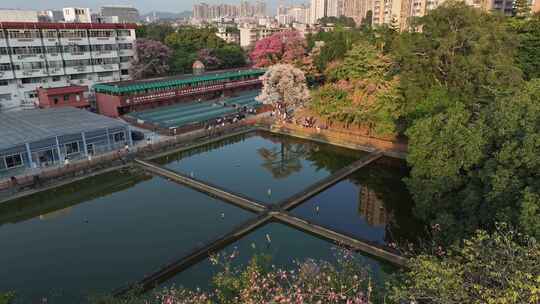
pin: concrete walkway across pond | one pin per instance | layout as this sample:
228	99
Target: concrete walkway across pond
266	214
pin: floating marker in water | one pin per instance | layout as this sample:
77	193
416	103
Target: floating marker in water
222	215
269	192
268	238
253	245
191	174
317	209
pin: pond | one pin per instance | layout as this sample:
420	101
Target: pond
102	233
109	230
262	166
287	247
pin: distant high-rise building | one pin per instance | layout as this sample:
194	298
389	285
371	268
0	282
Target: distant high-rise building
318	10
119	13
334	8
51	16
260	8
356	9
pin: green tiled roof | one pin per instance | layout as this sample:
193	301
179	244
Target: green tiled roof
115	88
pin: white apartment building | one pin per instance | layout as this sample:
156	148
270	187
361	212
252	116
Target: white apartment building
77	14
251	33
13	15
36	55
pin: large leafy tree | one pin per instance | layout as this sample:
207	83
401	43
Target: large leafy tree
501	267
154	31
474	123
189	44
364	92
152	59
528	52
461	50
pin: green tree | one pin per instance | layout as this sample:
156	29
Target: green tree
461	50
366	92
471	169
154	31
502	267
528	51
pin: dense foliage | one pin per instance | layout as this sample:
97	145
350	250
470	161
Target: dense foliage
502	267
152	59
362	91
188	44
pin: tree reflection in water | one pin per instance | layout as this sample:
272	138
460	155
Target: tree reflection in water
285	159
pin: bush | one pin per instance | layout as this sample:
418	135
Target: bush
502	267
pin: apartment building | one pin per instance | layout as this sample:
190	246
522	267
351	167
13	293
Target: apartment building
48	55
398	12
251	33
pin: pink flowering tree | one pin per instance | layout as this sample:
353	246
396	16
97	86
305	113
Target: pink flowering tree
283	47
152	59
209	59
284	87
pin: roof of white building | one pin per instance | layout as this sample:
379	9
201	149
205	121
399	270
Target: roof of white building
27	126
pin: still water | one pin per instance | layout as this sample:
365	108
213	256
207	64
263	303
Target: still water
106	231
101	233
372	204
262	166
287	247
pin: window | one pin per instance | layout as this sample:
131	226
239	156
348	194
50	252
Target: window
3	83
56	78
13	161
5	66
55	100
50	34
119	137
4	51
31	94
72	148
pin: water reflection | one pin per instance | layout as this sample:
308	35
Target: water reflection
373	204
56	202
261	165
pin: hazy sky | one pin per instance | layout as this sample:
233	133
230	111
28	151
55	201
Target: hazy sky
144	6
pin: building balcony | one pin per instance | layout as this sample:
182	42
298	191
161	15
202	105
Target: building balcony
126	52
50	41
53	56
31	73
6	75
27	58
78	69
56	71
124	39
76	41
14	42
125	77
102	40
104	54
76	55
106	67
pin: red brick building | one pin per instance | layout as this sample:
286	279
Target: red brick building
71	96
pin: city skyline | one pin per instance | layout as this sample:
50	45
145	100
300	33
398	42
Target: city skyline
144	6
